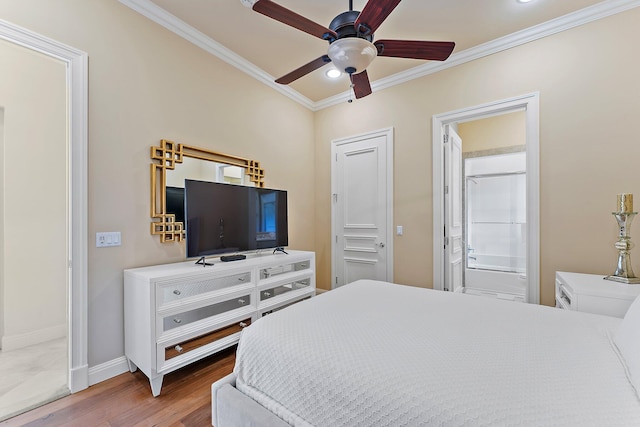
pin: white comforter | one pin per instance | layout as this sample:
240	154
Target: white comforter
378	354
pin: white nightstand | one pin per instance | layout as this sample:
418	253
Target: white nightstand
591	293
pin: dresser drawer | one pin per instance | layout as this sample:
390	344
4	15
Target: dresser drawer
563	296
284	288
186	346
170	292
187	317
266	273
281	306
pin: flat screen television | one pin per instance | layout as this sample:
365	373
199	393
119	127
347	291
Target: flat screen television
225	218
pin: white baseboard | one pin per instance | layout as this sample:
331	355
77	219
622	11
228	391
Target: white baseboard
107	370
78	379
14	342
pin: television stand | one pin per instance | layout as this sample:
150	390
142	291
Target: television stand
176	314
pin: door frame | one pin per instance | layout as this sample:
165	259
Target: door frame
389	142
530	103
454	238
76	63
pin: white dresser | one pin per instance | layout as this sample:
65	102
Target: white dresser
176	314
591	293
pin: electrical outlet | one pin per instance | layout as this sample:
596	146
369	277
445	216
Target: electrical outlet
105	239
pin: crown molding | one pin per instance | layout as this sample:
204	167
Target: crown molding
557	25
589	14
160	16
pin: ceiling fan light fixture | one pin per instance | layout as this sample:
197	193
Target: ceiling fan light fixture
333	73
352	53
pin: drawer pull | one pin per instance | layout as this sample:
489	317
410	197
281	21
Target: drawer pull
242	279
241	301
177	320
178	348
305	265
177	292
266	294
243	325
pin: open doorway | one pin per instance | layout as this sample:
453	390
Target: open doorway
34	309
73	65
506	232
495	206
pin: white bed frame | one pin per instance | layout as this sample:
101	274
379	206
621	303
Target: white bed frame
232	408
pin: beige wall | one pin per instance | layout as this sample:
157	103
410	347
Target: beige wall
588	154
33	277
145	84
505	130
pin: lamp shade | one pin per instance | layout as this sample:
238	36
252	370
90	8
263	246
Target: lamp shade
352	54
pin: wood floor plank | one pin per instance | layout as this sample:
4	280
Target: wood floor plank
126	400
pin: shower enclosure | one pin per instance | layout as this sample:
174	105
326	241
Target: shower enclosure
495	226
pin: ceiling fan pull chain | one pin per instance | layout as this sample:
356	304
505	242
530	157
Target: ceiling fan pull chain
352	88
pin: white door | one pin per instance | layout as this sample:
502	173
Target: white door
454	245
362	207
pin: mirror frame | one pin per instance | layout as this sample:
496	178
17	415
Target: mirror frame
165	157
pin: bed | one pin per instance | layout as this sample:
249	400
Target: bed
379	354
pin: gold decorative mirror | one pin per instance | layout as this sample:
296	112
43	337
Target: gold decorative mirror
166	156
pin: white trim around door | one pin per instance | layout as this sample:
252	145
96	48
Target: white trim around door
77	111
530	103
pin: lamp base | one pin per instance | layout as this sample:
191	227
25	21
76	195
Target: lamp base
627	280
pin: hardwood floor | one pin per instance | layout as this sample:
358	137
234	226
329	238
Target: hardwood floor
126	400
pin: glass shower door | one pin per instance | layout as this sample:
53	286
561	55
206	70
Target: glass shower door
496	222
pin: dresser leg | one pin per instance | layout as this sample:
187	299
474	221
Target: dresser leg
132	366
156	385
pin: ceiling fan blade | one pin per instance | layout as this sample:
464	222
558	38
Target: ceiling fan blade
373	14
304	70
286	16
432	51
361	85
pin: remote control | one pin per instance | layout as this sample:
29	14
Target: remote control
226	258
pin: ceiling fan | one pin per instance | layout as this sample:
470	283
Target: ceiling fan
350	37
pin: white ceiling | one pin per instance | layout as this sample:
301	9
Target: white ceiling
273	49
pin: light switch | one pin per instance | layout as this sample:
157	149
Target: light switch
399	230
105	239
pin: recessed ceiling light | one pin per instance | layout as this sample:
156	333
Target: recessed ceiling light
333	73
523	1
